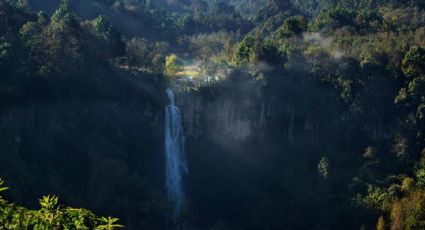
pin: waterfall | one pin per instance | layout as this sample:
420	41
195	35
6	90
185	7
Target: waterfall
175	162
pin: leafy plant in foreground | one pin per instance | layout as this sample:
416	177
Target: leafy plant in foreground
51	215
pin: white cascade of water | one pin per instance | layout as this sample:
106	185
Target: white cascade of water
175	163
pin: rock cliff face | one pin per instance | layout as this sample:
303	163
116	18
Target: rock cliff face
217	118
240	119
238	137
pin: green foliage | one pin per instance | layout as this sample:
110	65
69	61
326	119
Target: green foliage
413	63
42	18
404	207
5	49
411	94
143	54
253	50
64	16
334	18
109	223
171	64
51	216
407	184
48	203
21	4
102	26
379	198
218	45
420	177
293	26
323	167
2	188
363	19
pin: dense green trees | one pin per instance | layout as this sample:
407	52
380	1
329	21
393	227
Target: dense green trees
141	53
352	73
61	80
292	26
51	215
